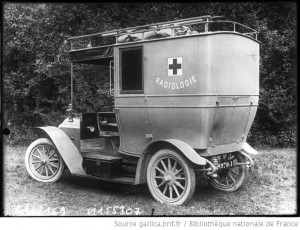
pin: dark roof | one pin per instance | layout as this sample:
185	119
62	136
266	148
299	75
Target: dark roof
97	55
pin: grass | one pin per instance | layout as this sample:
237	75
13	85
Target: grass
269	190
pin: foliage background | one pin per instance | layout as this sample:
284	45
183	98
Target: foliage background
36	67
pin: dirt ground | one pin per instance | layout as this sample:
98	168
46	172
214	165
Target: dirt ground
269	190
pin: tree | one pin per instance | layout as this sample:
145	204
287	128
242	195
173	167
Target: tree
36	63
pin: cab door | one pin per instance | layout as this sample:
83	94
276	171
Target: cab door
130	100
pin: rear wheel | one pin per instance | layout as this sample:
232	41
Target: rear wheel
231	173
43	162
170	177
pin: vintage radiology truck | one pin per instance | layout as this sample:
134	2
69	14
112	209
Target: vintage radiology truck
185	96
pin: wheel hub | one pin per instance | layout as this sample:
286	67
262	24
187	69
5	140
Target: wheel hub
45	160
169	177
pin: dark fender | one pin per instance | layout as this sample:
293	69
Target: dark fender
66	148
181	146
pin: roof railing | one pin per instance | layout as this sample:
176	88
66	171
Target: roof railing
188	26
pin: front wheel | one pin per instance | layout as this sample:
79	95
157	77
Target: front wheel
231	174
170	177
43	162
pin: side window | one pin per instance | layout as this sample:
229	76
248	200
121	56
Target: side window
131	70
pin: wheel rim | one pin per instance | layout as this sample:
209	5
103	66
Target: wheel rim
44	162
169	179
229	174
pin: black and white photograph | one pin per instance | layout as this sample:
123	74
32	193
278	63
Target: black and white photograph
158	109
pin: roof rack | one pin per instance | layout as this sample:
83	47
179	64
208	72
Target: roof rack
206	21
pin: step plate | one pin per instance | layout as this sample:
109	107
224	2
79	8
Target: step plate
123	179
101	156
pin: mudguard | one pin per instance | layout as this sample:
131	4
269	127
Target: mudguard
248	149
187	150
183	147
66	148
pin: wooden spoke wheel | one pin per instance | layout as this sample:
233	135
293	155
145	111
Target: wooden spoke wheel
170	177
43	162
231	174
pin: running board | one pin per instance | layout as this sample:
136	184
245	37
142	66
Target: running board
123	180
99	154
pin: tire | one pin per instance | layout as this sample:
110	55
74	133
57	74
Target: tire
43	161
170	182
231	178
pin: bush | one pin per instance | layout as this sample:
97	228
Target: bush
287	138
266	139
21	130
21	135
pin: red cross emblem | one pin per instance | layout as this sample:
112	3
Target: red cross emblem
175	66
